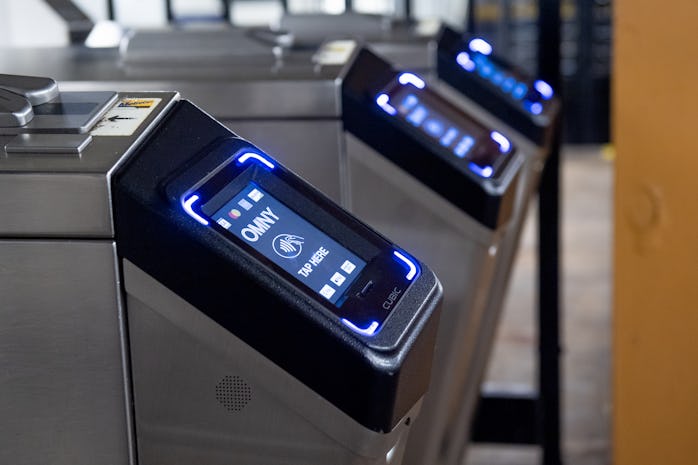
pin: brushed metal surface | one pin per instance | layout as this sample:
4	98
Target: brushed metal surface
179	356
463	254
62	394
296	88
192	46
54	204
417	56
49	196
61	144
250	99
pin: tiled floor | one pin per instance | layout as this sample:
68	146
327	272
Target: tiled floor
587	261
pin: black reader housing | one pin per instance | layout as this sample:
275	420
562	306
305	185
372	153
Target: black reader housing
401	118
373	378
528	105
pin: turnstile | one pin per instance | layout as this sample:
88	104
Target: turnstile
141	325
423	170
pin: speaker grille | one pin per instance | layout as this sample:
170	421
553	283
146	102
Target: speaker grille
233	393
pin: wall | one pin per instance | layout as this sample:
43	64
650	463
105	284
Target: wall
655	126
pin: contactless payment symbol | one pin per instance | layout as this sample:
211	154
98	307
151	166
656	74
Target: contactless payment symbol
288	245
234	213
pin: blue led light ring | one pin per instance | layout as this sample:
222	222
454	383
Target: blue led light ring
463	59
484	171
409	261
188	205
413	268
544	89
247	156
535	108
383	99
410	78
480	45
370	330
502	141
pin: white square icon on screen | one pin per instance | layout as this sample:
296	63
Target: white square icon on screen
255	195
348	267
338	279
245	204
327	291
224	223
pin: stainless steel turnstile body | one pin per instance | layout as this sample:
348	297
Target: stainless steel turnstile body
64	382
407	44
104	364
465	254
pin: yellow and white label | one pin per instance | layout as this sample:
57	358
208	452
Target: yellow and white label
335	52
125	117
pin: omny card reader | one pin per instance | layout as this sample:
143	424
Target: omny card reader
442	182
203	303
525	104
315	332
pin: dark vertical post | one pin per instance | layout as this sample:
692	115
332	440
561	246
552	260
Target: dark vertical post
504	28
549	249
111	14
584	84
169	11
471	24
226	10
78	23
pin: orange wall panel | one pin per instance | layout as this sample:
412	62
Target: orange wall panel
655	131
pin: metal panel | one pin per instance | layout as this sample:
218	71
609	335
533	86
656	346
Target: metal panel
61	196
266	416
293	88
464	254
62	390
43	204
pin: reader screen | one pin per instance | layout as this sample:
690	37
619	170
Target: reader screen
416	108
464	139
282	236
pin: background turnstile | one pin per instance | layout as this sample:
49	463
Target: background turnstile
404	185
